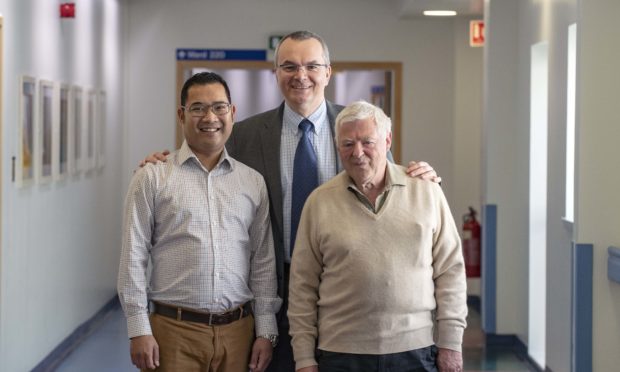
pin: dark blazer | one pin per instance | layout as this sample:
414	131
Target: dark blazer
255	142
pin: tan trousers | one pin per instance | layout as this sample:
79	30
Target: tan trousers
190	346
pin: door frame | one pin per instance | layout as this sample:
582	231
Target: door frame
395	67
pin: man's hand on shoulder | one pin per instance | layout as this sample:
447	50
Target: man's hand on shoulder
155	157
261	355
422	170
144	352
449	360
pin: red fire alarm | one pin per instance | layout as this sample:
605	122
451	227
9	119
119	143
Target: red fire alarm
476	33
67	10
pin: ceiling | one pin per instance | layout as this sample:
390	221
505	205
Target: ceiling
414	8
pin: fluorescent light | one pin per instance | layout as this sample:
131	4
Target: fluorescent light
439	13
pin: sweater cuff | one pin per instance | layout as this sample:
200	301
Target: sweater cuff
303	363
450	337
304	347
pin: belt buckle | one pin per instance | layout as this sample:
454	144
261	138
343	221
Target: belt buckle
210	318
179	311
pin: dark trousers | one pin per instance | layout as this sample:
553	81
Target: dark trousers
282	360
419	360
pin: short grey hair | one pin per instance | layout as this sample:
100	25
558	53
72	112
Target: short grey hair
299	36
360	110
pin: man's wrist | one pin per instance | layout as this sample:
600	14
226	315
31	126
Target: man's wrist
272	338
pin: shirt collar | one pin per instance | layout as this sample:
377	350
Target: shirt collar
394	175
318	118
392	178
185	153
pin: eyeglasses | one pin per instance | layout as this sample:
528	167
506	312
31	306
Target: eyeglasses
200	111
290	68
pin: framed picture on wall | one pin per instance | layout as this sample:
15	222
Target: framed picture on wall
91	124
45	131
62	148
101	129
76	151
26	151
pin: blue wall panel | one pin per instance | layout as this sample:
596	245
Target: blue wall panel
581	307
489	267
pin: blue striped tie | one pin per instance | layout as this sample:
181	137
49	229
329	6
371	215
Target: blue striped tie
305	176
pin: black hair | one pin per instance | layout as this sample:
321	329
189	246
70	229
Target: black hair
204	78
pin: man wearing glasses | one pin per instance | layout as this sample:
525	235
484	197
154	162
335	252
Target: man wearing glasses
202	219
272	143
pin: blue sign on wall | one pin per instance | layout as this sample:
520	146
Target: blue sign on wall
221	55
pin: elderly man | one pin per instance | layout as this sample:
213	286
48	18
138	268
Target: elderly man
377	268
271	143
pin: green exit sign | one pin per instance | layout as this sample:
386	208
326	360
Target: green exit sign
274	40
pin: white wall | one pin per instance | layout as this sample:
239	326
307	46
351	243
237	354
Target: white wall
596	197
60	241
505	162
597	202
467	135
548	21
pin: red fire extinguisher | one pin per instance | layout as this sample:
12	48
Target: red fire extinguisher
471	244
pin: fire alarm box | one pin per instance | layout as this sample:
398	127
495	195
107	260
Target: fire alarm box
67	10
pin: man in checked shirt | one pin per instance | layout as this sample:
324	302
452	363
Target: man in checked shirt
202	218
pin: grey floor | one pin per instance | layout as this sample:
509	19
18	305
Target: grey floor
107	350
477	356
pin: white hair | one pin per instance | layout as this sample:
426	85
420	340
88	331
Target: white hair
360	110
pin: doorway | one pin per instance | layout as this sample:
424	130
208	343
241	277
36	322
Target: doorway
254	88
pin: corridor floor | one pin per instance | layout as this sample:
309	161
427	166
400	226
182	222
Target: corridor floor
107	350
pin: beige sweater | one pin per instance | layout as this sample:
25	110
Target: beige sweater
366	283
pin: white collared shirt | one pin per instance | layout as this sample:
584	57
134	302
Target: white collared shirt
208	236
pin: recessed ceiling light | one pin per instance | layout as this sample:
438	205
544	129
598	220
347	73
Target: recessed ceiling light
439	13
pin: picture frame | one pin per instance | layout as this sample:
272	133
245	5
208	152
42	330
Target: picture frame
76	147
101	129
90	140
45	131
61	145
26	150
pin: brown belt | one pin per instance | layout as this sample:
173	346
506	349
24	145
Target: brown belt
180	313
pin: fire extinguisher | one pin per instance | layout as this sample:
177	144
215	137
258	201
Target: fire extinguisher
471	244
